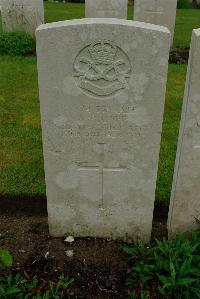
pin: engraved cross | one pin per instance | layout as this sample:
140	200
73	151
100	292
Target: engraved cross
100	167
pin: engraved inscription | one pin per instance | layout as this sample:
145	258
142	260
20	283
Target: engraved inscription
107	130
155	8
102	69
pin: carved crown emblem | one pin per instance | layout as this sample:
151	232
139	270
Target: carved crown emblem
103	52
102	69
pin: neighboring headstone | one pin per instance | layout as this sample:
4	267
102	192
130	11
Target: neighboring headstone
193	2
159	12
106	9
185	198
22	15
102	89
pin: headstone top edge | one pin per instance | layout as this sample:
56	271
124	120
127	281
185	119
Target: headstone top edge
196	32
103	21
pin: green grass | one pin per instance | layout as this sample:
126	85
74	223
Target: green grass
21	163
60	11
187	19
173	105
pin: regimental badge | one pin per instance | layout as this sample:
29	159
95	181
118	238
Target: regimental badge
102	69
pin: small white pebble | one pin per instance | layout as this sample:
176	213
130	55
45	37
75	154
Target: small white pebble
69	239
21	250
69	253
46	255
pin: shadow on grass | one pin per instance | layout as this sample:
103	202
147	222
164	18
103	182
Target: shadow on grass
160	216
36	205
30	204
23	204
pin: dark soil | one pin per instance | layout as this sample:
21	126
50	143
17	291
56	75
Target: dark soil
98	266
179	56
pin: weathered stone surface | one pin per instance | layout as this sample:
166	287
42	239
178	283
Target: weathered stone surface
185	198
106	9
102	89
159	12
22	15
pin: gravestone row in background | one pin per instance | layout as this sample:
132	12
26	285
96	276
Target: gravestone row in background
26	15
106	9
159	12
22	15
102	111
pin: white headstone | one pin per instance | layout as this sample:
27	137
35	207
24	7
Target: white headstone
22	15
159	12
106	9
102	90
185	198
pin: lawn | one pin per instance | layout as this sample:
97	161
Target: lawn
173	105
186	20
21	163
